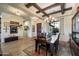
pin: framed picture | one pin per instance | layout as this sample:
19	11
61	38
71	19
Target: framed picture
6	25
26	27
13	29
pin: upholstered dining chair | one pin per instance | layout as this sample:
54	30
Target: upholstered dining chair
42	43
56	45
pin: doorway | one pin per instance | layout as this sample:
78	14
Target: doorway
38	28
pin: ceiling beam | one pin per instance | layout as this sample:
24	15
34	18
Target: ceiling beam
59	11
28	5
36	6
53	5
62	8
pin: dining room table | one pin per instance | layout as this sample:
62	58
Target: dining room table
51	41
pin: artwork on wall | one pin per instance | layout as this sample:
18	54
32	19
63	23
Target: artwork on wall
6	24
26	27
13	29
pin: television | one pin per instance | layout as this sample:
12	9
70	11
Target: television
13	29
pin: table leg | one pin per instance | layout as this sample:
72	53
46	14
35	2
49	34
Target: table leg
36	45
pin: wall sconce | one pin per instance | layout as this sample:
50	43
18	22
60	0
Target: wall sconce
20	25
26	23
26	27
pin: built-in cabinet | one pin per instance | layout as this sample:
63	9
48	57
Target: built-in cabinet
9	39
74	48
0	29
74	39
75	28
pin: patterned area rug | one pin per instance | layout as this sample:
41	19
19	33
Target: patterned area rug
62	51
30	51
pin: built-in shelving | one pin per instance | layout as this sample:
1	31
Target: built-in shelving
74	39
75	28
0	29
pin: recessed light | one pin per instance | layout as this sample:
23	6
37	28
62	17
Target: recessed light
17	13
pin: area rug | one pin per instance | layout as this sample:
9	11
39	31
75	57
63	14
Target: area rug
62	51
30	51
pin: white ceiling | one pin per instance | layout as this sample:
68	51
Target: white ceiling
69	5
26	12
53	9
30	11
16	11
43	5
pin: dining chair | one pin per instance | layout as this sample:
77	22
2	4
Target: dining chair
56	44
43	43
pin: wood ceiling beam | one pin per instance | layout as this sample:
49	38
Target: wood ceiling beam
36	6
59	11
53	5
28	5
62	8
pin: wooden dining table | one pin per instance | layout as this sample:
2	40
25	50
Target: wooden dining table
51	41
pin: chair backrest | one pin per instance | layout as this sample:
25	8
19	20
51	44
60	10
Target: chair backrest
57	41
58	38
42	38
41	35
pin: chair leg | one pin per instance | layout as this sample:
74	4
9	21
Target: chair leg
52	52
46	51
39	50
56	49
51	49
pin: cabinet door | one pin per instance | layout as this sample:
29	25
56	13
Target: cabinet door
75	25
0	29
77	28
